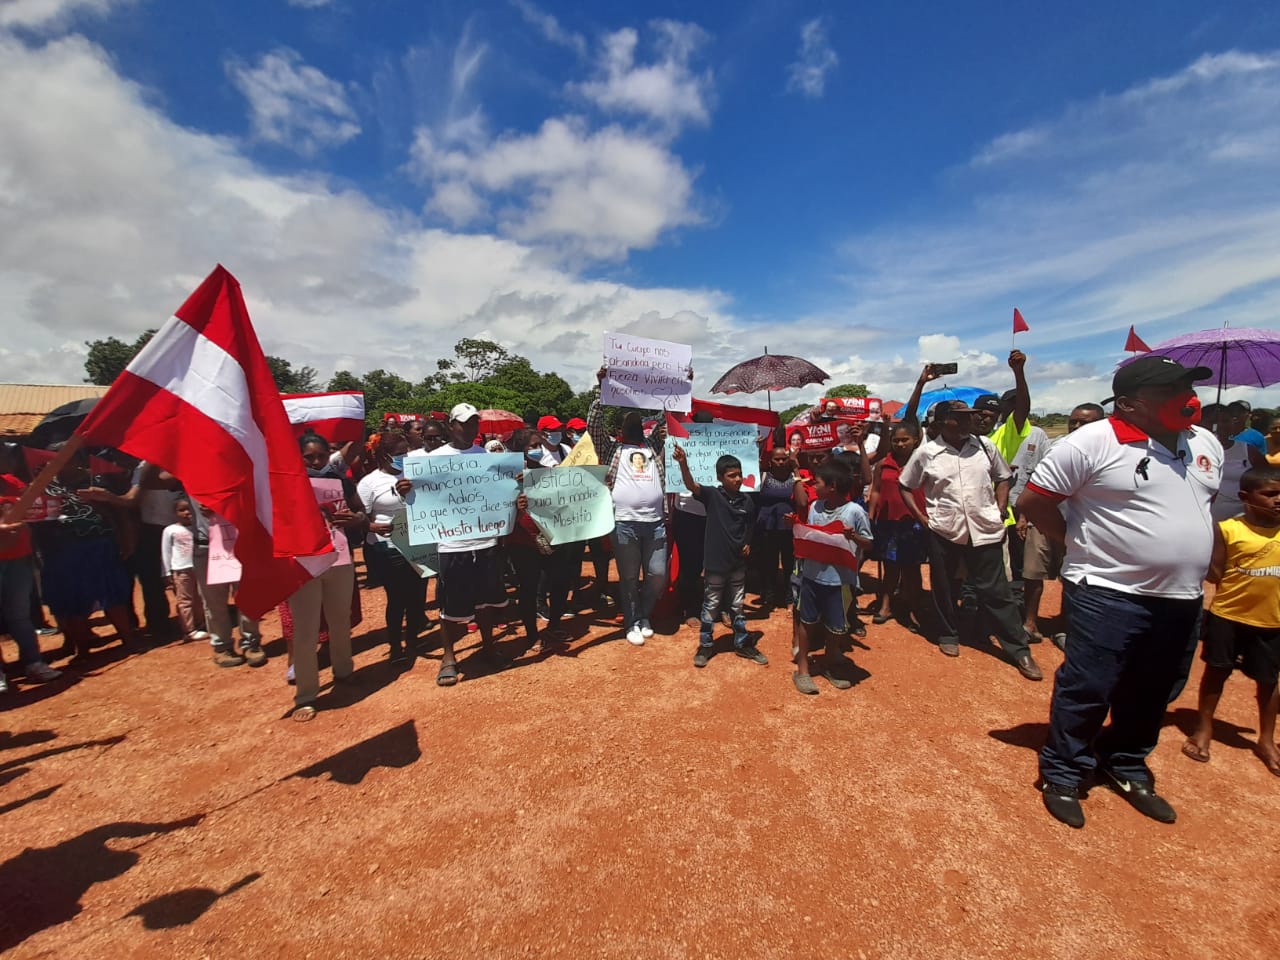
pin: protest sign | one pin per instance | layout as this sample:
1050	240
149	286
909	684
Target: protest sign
331	499
570	503
424	558
464	497
706	443
649	374
223	565
583	454
812	436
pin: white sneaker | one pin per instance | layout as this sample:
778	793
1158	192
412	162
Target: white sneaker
41	672
646	631
635	636
199	635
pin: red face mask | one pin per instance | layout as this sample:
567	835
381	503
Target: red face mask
1179	413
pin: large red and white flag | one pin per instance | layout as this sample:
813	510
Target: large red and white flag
338	417
825	544
200	402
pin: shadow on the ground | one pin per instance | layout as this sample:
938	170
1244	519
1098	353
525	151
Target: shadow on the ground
182	907
1030	736
12	769
44	794
14	741
1226	733
394	748
42	887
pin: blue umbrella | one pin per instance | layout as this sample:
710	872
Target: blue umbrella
967	394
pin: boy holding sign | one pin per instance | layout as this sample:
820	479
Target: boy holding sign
731	516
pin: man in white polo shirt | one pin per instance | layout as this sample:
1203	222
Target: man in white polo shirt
1139	537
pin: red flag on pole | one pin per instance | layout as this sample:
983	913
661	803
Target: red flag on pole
1134	343
1019	325
200	402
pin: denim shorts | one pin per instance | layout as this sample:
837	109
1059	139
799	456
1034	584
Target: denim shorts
822	602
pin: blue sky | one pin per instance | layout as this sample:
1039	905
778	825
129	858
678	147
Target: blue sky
866	186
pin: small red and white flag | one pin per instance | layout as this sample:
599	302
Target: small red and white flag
338	417
1134	343
825	544
199	401
1019	325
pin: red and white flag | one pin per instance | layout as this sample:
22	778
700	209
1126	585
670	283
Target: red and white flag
338	417
199	401
825	544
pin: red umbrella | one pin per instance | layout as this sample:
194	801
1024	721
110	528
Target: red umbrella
769	372
499	421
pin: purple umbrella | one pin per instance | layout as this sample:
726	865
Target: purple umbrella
773	371
1241	356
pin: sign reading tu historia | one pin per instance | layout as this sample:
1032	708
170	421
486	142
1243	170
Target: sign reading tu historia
465	497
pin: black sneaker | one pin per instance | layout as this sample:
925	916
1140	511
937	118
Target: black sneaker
753	654
1142	796
1063	803
703	656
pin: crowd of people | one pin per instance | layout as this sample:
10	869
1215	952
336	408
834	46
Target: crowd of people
1133	511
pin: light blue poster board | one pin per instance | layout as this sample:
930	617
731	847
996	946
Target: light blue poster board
706	443
468	496
424	558
570	503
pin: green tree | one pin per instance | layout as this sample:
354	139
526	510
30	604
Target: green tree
289	380
846	390
344	380
107	358
379	386
791	413
479	358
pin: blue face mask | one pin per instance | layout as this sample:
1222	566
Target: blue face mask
397	464
553	437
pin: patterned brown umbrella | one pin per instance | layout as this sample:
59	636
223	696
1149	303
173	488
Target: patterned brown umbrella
769	372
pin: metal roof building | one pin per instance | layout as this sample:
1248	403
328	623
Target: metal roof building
23	405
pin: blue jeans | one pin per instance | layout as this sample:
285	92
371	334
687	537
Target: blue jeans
730	586
17	578
1125	655
640	545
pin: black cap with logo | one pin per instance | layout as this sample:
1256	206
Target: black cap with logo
1152	371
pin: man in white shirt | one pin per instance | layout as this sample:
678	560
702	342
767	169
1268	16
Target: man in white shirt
1139	536
966	488
470	584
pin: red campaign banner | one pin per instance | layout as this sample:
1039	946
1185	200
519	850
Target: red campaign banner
812	436
858	407
403	418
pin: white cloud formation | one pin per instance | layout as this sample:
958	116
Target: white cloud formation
550	27
814	62
294	105
51	14
668	90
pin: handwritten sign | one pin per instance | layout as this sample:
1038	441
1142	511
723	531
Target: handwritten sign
706	443
331	499
223	565
570	503
649	374
469	496
424	557
583	454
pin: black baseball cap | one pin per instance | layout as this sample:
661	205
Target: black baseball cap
1152	371
1009	396
988	401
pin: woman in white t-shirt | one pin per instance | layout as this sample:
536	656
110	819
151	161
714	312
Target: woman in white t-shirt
406	591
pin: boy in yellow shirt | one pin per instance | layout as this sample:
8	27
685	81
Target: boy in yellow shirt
1243	624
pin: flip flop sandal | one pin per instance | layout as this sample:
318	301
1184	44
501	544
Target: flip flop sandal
804	684
1194	751
881	618
304	714
447	676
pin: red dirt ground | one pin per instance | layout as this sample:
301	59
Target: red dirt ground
610	802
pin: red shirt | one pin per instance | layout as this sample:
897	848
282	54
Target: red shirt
891	505
10	489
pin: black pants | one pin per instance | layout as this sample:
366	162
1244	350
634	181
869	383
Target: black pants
984	566
406	591
774	551
690	531
150	573
534	568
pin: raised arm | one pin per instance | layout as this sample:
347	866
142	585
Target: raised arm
1022	393
910	413
604	444
678	455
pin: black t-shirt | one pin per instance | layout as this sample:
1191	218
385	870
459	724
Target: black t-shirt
730	520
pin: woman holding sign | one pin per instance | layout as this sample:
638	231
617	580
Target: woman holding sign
330	594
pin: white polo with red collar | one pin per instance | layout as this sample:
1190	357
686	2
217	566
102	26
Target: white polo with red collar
1138	516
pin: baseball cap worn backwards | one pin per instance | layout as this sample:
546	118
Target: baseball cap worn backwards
1152	371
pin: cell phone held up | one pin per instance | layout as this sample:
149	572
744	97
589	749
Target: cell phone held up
943	369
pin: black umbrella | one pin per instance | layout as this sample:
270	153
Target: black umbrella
61	422
773	371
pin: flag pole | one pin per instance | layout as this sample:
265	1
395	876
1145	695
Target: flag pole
18	509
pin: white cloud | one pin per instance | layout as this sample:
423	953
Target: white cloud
815	61
667	90
51	14
294	105
550	27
